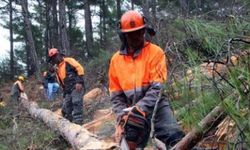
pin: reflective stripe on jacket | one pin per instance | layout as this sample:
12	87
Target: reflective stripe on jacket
137	80
61	71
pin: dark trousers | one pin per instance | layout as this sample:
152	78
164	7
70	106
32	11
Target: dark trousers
72	108
166	128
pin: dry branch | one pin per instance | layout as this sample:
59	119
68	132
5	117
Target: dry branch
75	134
206	125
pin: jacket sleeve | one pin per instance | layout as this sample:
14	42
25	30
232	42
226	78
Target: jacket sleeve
117	95
79	70
158	75
78	67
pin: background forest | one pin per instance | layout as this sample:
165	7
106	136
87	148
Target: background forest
191	32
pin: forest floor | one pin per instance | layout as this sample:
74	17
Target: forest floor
18	130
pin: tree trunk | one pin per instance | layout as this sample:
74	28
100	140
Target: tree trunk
132	5
75	134
54	22
145	9
153	6
32	63
207	124
47	38
70	15
63	28
184	7
103	24
118	9
199	6
88	28
12	70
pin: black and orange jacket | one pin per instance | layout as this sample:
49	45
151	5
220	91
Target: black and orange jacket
137	80
62	71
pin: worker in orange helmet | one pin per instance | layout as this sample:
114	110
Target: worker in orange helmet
137	73
69	74
17	89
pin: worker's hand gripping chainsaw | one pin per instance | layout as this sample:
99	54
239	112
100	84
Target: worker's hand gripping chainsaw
132	128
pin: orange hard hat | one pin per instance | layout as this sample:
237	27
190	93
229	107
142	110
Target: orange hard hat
53	52
131	21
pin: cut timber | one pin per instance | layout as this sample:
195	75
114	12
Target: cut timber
101	116
76	135
213	69
208	123
92	95
226	129
103	124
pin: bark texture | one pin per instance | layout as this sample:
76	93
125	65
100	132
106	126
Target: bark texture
207	124
76	135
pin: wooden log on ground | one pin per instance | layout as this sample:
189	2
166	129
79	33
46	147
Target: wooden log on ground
76	135
92	95
207	124
103	124
91	126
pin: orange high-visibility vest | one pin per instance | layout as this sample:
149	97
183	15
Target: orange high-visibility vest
131	78
61	71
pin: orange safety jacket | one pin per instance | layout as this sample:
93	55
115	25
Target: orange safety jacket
137	80
62	72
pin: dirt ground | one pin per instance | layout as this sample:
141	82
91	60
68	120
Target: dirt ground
19	131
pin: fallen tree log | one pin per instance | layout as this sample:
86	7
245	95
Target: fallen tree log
206	125
98	121
210	69
76	135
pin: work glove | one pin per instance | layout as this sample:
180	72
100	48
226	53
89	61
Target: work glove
119	128
138	111
136	126
137	118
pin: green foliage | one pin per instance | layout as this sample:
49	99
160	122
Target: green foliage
200	37
102	58
19	131
212	34
198	97
5	123
238	108
241	118
101	64
3	147
45	137
169	30
76	40
193	57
